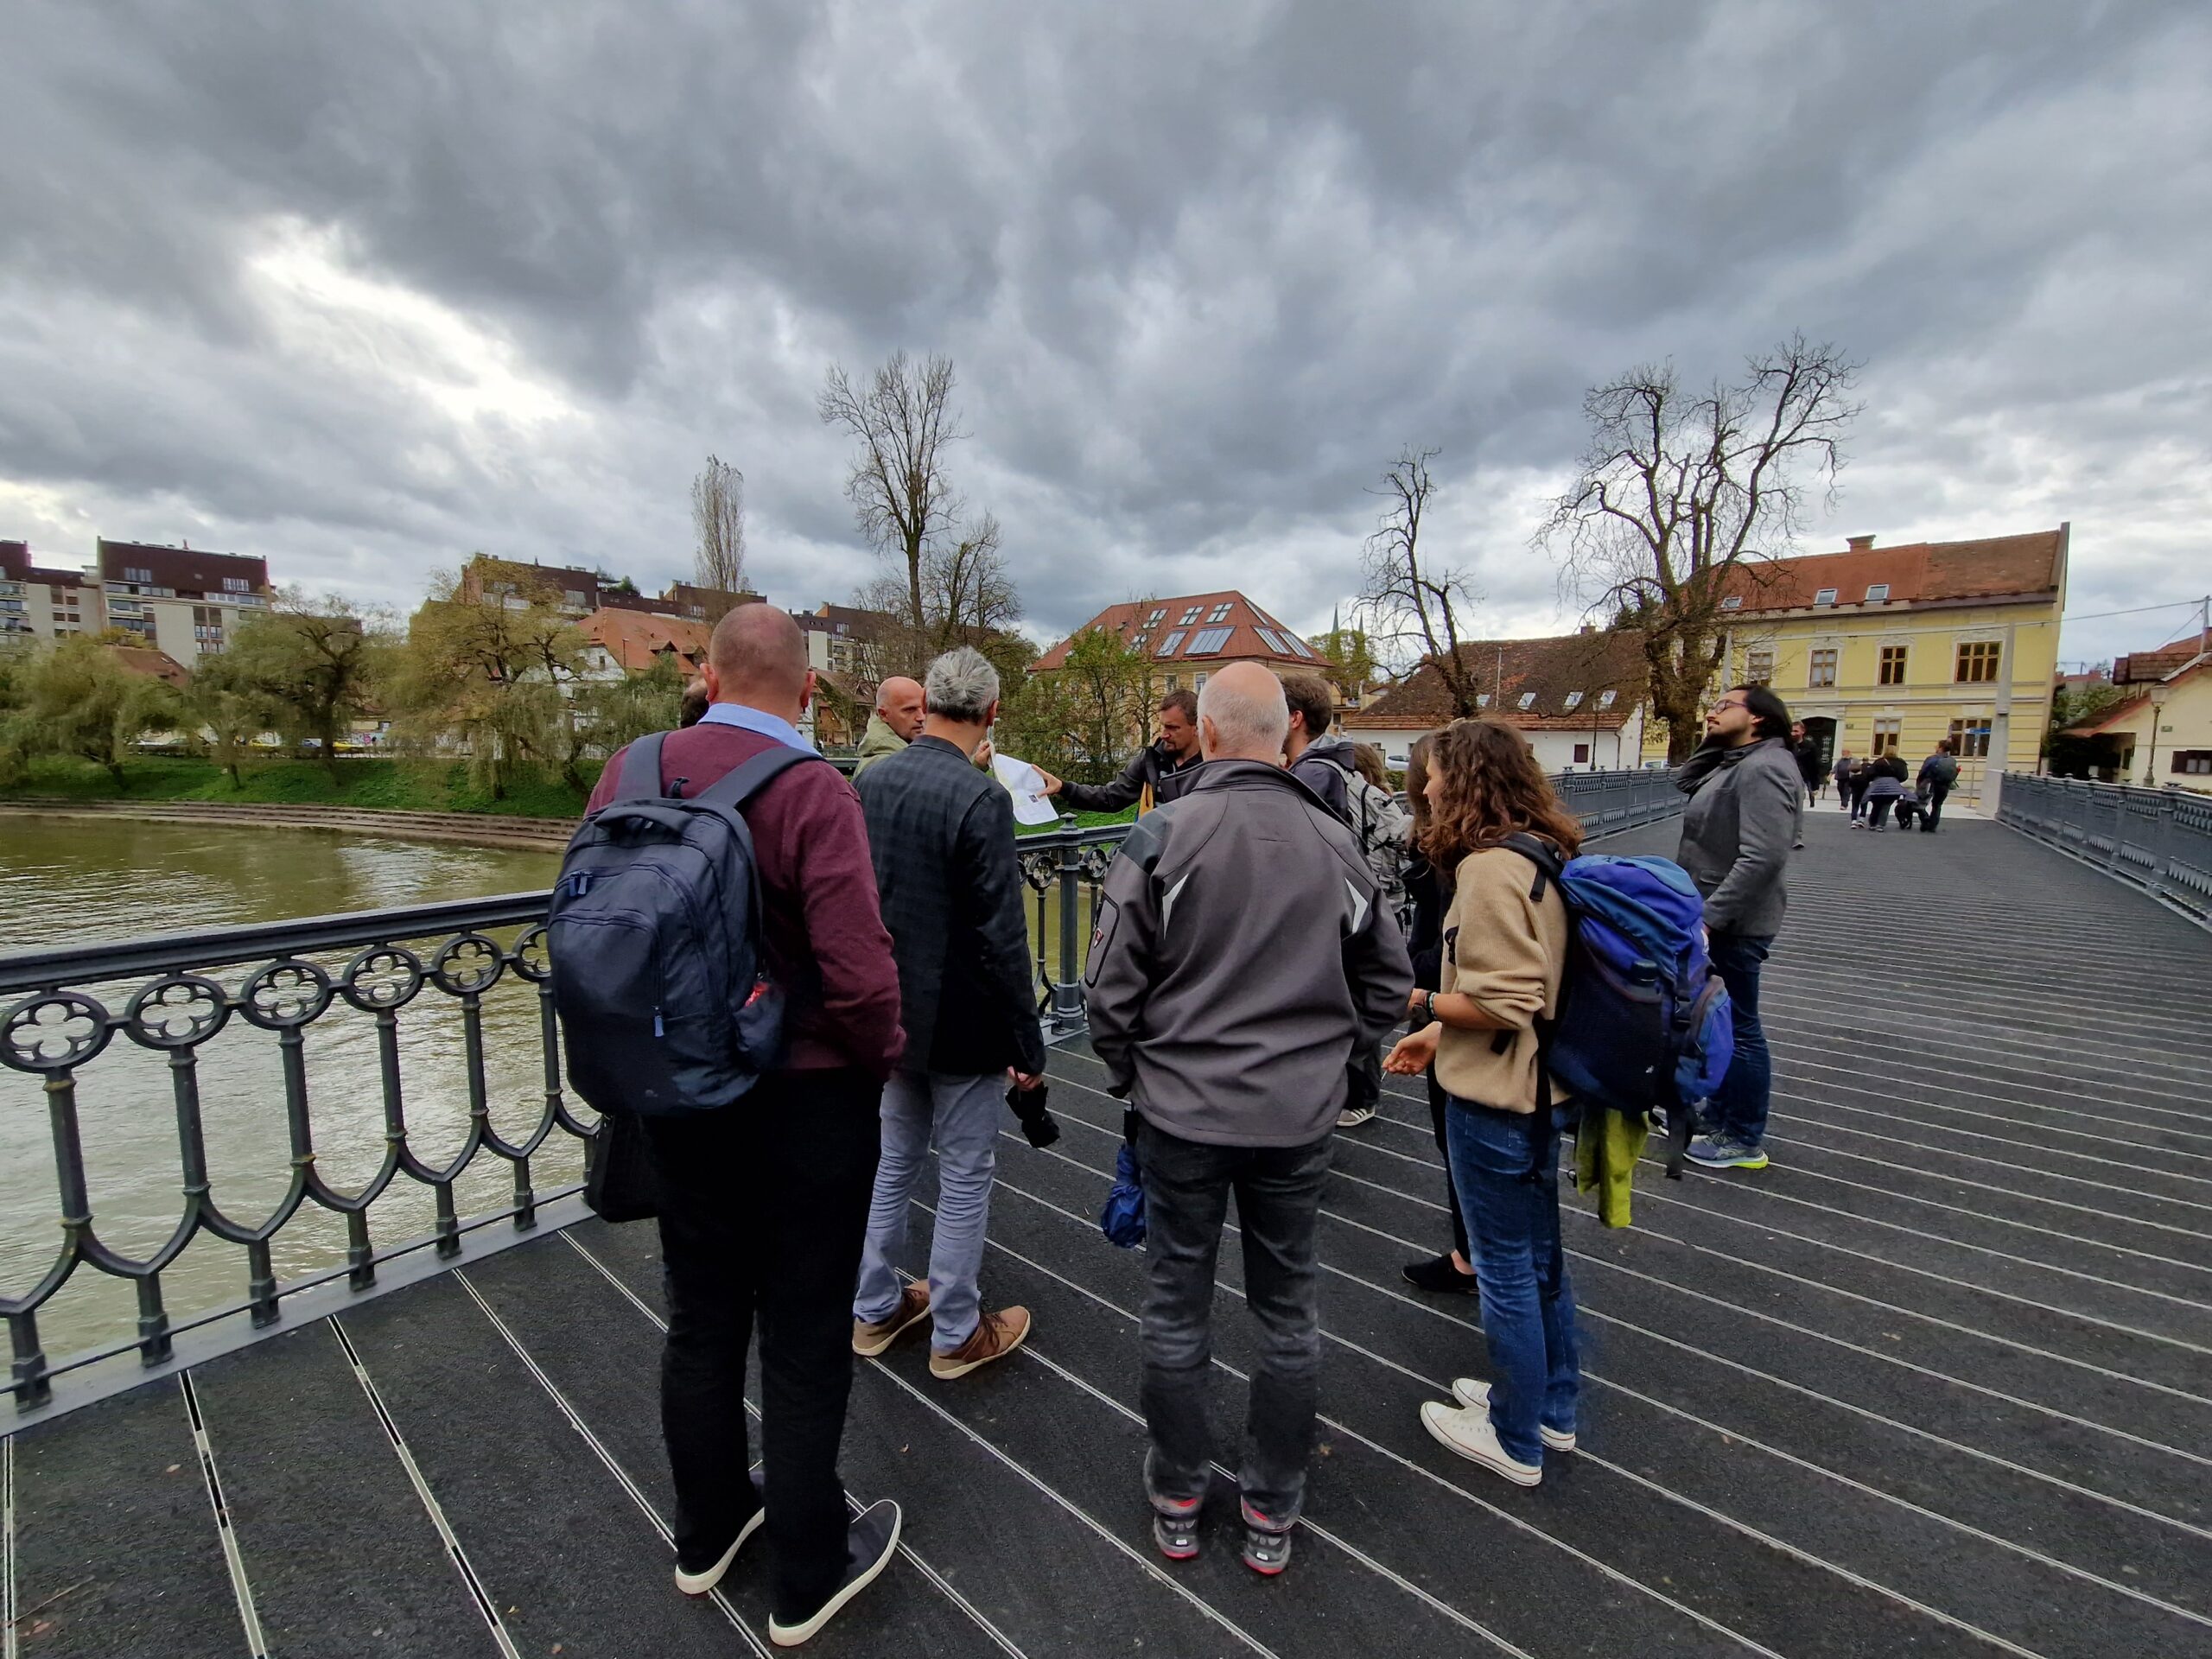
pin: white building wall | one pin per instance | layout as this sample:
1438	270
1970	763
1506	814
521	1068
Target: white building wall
1605	750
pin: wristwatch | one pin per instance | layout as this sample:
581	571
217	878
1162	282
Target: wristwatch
1428	1008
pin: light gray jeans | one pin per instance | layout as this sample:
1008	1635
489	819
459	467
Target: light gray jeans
961	1116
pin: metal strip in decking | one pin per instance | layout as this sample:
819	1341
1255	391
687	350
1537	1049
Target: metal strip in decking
256	1644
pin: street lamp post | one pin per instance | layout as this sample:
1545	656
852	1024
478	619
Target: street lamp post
2159	691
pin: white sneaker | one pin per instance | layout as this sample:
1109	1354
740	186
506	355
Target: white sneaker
1468	1431
1472	1391
1352	1116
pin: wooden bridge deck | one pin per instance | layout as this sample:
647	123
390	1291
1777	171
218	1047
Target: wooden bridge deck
1938	1382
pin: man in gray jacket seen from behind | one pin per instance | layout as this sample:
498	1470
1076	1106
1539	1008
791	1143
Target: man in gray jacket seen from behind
1746	811
1242	953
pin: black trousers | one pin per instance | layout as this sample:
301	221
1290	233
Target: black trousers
763	1207
1439	1104
1937	794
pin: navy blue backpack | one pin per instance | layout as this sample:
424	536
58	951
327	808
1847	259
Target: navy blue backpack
654	939
1643	1021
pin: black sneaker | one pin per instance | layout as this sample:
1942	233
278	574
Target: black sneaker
1175	1530
1439	1275
697	1579
870	1542
1267	1551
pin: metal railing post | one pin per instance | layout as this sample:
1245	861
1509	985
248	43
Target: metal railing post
1067	991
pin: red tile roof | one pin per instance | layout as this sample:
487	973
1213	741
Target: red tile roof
1547	672
635	641
2139	667
1996	568
144	659
1229	626
187	571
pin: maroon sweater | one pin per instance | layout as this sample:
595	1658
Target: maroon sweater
818	891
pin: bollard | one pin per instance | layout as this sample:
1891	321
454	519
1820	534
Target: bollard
1067	993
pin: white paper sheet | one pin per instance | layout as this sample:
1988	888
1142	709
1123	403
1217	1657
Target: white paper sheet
1026	785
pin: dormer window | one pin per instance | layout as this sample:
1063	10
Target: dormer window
1826	596
1574	701
1878	594
1528	699
1733	602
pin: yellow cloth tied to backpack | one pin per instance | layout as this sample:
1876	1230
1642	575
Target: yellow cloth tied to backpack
1606	1159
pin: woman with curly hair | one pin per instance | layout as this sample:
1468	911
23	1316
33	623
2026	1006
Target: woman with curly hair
1505	939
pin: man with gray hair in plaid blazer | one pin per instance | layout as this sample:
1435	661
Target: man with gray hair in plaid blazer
941	834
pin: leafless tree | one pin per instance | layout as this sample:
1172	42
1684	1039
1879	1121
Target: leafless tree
1680	492
718	511
1413	602
900	421
967	599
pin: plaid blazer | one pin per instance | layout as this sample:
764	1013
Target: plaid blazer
941	834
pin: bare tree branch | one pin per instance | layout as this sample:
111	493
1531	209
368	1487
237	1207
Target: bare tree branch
900	423
718	511
1411	604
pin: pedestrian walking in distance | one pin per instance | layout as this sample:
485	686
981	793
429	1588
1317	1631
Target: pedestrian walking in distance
1884	787
1938	772
1745	811
1844	768
1506	939
942	837
764	1203
1159	774
1242	953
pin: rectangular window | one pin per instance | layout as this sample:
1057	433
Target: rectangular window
234	584
1170	645
1886	736
1208	640
1141	641
1173	679
1733	602
1758	667
1221	611
1605	699
1482	699
1970	738
1877	592
1189	616
1978	662
1892	671
1155	617
2194	763
1826	596
132	573
1267	638
1823	667
1198	683
1581	755
1574	701
1528	699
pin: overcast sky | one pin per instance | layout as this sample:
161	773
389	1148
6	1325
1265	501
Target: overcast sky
363	288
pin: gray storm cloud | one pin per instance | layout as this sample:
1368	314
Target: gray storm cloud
366	288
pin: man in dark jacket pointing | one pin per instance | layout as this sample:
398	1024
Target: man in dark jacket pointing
942	836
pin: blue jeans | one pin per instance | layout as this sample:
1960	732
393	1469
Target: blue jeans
1505	1166
1186	1188
1738	1107
961	1115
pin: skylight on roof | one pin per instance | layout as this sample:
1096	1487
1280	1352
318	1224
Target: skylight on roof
1826	596
1877	592
1268	637
1733	602
1574	701
1189	616
1167	645
1221	611
1153	618
1528	699
1298	644
1208	640
1605	699
1482	699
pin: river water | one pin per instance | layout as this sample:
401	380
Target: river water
79	880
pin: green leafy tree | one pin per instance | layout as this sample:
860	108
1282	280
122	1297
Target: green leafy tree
1084	719
227	708
494	675
316	664
610	713
79	699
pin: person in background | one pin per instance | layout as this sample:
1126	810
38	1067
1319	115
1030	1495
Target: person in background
1844	767
942	836
1324	764
1505	948
1385	828
692	709
1807	751
1159	774
1454	1272
1938	772
763	1206
1745	811
1862	773
1228	1034
1884	784
896	723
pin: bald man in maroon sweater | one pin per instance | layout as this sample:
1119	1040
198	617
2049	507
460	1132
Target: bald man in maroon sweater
764	1204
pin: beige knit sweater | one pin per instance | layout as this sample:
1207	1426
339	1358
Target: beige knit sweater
1505	951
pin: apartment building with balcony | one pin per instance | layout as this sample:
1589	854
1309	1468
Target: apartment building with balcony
183	600
38	602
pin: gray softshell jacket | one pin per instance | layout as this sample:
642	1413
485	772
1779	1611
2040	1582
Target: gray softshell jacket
1746	807
1242	956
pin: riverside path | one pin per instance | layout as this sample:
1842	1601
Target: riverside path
1938	1381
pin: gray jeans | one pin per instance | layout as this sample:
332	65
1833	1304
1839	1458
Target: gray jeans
961	1115
1186	1188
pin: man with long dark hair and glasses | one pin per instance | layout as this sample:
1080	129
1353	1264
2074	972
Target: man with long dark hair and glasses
1745	812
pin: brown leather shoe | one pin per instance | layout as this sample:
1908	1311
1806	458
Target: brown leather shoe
869	1340
996	1335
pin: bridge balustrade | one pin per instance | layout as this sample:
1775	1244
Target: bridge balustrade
2159	840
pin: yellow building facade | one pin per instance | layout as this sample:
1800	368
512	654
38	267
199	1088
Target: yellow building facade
1894	649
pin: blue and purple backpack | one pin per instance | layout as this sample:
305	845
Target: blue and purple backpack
1643	1021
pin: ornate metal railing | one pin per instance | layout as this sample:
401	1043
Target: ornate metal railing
2159	840
71	1018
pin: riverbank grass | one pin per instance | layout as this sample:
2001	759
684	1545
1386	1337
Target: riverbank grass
376	785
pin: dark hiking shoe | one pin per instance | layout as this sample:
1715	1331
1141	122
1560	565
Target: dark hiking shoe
697	1578
1267	1548
1439	1275
869	1340
870	1542
995	1336
1175	1527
